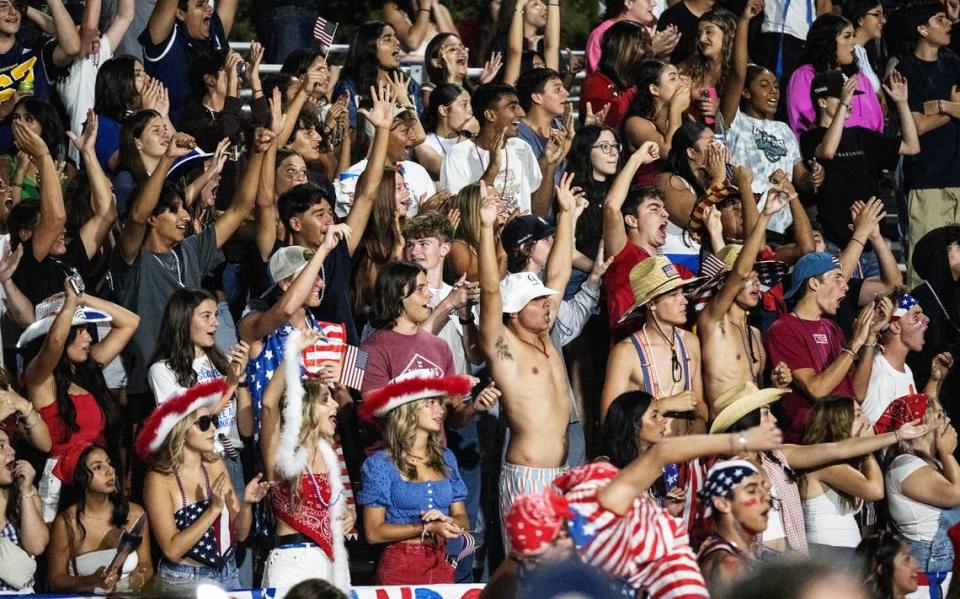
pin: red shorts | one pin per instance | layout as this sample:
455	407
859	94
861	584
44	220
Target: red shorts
410	563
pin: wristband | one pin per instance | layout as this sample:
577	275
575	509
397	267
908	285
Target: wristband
424	10
939	106
847	106
862	244
847	350
470	320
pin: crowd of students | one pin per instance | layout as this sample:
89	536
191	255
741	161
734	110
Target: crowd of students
336	326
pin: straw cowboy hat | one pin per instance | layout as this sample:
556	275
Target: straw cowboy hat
736	402
653	277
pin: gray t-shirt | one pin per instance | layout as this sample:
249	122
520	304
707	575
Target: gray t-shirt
145	286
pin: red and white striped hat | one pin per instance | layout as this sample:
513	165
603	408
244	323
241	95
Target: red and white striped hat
411	386
166	416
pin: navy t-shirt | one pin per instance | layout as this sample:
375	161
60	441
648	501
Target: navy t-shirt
33	64
935	167
169	61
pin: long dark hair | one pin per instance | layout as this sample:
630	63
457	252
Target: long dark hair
876	554
618	436
620	48
647	73
87	374
379	239
77	494
51	127
821	47
677	161
116	92
361	66
395	281
590	225
131	130
175	345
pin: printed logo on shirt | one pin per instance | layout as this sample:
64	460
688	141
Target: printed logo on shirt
773	148
821	339
418	362
15	74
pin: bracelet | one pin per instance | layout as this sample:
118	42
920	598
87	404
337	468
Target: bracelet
939	106
862	244
847	350
29	495
869	346
257	91
424	10
470	320
742	440
847	106
896	435
423	532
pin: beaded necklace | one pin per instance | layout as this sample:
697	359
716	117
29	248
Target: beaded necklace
506	167
316	489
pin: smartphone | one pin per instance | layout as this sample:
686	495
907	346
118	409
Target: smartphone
76	281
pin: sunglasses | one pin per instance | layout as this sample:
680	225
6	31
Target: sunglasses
205	422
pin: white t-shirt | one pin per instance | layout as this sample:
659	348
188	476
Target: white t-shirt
440	145
886	384
163	383
519	175
419	184
917	521
800	14
77	89
764	146
452	331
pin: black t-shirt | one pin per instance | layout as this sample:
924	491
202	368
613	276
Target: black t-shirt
687	25
40	280
853	174
935	167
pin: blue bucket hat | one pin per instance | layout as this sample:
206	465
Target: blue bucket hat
811	265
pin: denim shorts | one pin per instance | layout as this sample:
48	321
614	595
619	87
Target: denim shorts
183	575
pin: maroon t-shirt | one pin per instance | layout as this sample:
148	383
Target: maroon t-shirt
804	344
391	354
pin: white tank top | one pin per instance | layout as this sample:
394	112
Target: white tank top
828	522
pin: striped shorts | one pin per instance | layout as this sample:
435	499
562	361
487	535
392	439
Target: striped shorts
521	480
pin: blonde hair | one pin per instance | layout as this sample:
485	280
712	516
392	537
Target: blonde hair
315	394
170	457
401	430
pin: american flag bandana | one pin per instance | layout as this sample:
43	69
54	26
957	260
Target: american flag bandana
723	478
769	273
906	302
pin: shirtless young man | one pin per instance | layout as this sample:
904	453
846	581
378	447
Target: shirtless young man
515	321
732	349
660	358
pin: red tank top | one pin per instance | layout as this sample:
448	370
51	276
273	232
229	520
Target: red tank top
90	424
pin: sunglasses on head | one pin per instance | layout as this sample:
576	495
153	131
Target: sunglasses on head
204	422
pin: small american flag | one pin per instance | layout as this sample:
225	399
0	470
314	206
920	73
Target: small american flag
323	32
354	367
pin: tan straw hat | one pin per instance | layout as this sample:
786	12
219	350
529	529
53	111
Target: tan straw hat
653	277
738	401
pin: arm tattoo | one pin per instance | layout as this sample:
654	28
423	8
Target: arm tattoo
503	350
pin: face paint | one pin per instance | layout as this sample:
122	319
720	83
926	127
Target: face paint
750	502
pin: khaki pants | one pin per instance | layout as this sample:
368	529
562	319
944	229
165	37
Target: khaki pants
928	210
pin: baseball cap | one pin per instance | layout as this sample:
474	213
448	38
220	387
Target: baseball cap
519	288
811	265
828	84
287	262
523	229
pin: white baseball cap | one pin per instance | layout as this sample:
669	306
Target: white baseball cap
519	288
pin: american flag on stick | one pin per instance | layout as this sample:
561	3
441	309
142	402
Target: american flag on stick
323	32
354	367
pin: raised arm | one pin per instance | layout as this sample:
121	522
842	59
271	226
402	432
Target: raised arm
270	419
733	87
865	220
121	23
827	148
803	242
227	11
266	205
309	83
131	237
634	480
551	38
68	39
53	216
614	229
95	230
491	303
380	116
41	367
808	457
122	328
411	35
515	43
559	262
246	193
717	307
18	305
897	91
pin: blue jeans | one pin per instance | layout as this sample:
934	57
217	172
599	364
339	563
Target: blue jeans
292	29
183	575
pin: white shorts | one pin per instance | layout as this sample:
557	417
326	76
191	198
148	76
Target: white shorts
287	566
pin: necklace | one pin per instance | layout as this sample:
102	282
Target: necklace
316	488
825	356
542	350
176	264
676	370
655	383
747	342
506	167
936	298
323	277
